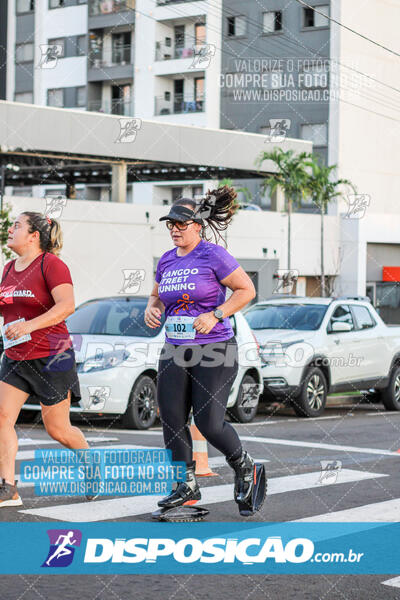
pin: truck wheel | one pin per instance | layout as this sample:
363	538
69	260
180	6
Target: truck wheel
245	408
391	394
141	412
312	398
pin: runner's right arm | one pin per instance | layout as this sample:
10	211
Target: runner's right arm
154	309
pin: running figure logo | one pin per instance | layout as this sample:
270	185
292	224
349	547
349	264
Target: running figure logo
184	303
128	129
329	471
62	547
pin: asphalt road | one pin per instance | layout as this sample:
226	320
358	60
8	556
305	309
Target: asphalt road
364	439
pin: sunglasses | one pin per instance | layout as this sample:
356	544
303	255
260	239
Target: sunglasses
180	226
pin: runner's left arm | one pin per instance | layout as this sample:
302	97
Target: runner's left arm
243	291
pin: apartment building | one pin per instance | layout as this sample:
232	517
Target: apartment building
168	61
269	67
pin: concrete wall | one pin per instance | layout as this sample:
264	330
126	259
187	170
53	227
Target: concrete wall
102	239
366	245
368	120
379	255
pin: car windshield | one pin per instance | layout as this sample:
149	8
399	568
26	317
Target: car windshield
286	316
111	316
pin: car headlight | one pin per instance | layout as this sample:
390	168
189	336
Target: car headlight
274	352
107	360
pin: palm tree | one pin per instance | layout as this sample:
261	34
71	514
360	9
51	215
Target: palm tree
323	189
229	182
290	176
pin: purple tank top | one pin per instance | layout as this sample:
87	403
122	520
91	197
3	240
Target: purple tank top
190	285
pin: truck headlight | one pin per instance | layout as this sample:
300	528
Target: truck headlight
274	353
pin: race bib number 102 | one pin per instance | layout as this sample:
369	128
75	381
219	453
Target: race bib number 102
180	328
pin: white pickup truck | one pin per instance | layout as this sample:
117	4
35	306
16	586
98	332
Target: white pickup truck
314	346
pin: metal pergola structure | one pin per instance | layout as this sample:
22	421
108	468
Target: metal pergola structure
47	146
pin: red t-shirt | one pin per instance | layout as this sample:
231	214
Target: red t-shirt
25	294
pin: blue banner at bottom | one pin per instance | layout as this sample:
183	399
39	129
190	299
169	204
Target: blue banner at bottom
196	548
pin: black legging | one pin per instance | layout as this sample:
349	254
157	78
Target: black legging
198	376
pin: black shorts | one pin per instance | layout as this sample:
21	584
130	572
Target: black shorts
46	379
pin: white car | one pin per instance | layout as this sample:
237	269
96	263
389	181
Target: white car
314	346
117	358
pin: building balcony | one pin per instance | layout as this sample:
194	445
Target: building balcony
179	104
163	2
109	13
167	52
167	10
119	55
115	107
107	7
112	63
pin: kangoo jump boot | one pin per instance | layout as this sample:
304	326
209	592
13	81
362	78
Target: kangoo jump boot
185	491
250	484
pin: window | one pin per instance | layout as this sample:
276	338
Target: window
311	18
81	96
272	21
199	34
341	314
59	52
26	97
121	47
303	317
81	45
179	33
197	190
24	6
56	3
317	133
236	26
199	88
110	317
55	98
22	191
23	53
363	317
176	193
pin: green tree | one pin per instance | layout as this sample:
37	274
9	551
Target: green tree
290	176
5	223
323	188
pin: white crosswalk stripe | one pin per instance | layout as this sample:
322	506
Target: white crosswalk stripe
387	511
116	508
110	509
394	582
215	462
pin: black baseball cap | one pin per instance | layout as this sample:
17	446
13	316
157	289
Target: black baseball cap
181	213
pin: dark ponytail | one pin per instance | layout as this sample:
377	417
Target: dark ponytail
216	209
51	239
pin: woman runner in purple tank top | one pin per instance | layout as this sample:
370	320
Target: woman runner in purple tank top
199	360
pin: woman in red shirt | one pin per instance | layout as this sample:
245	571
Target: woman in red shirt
36	295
